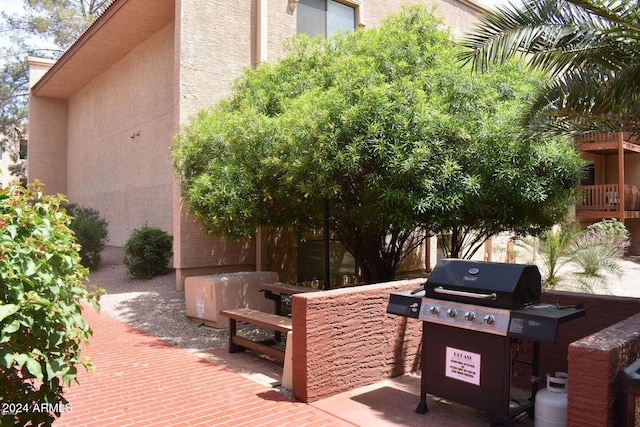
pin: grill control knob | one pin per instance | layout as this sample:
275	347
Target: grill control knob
451	313
434	310
489	319
414	307
469	316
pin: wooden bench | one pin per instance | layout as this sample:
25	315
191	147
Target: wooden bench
274	322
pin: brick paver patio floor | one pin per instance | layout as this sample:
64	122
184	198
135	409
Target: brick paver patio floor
141	380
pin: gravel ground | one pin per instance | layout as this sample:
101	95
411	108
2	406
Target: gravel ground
627	285
155	306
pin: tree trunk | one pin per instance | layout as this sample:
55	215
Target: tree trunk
373	267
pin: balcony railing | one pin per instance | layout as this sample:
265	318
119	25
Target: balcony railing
604	137
605	198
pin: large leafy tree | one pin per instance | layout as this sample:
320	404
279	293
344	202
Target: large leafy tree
524	187
387	128
591	48
44	29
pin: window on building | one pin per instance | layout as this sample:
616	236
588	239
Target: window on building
324	17
311	259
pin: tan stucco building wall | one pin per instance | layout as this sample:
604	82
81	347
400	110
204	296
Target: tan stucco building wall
102	120
119	136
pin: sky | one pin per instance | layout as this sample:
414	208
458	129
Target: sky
11	5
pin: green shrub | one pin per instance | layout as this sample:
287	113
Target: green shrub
613	232
147	252
91	232
41	289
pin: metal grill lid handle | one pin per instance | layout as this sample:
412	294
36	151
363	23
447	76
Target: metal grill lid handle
440	290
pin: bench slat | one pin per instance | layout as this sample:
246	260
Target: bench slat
260	318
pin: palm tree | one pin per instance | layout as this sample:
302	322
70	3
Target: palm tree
552	251
585	258
591	50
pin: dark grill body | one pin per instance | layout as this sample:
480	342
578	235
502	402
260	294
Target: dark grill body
473	312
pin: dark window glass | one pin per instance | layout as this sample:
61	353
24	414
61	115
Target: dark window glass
323	17
311	261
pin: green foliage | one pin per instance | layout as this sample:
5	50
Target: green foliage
615	232
566	253
147	252
41	290
91	232
582	43
552	250
595	253
387	127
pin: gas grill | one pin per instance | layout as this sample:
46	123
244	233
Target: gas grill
473	314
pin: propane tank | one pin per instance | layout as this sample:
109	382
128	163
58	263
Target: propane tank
551	403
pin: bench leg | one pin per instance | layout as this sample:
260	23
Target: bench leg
233	347
287	373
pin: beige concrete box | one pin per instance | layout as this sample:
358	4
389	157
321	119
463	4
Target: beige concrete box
205	296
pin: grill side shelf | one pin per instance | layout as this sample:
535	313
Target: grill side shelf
405	304
540	322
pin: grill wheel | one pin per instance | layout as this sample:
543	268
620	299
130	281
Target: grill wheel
502	421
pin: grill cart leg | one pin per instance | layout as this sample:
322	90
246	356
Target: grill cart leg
422	406
535	372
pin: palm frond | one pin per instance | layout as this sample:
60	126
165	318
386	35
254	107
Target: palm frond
583	100
557	35
591	50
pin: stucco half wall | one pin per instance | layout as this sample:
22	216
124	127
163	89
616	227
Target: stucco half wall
344	338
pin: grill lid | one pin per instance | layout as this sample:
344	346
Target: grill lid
492	284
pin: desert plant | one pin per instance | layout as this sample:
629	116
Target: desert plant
91	232
553	250
596	255
147	252
615	232
41	290
565	252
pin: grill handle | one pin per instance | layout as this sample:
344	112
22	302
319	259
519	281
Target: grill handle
441	290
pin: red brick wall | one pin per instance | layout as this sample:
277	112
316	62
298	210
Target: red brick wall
596	363
593	350
343	339
602	311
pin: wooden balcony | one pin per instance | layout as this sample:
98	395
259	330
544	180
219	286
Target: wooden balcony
603	201
608	143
